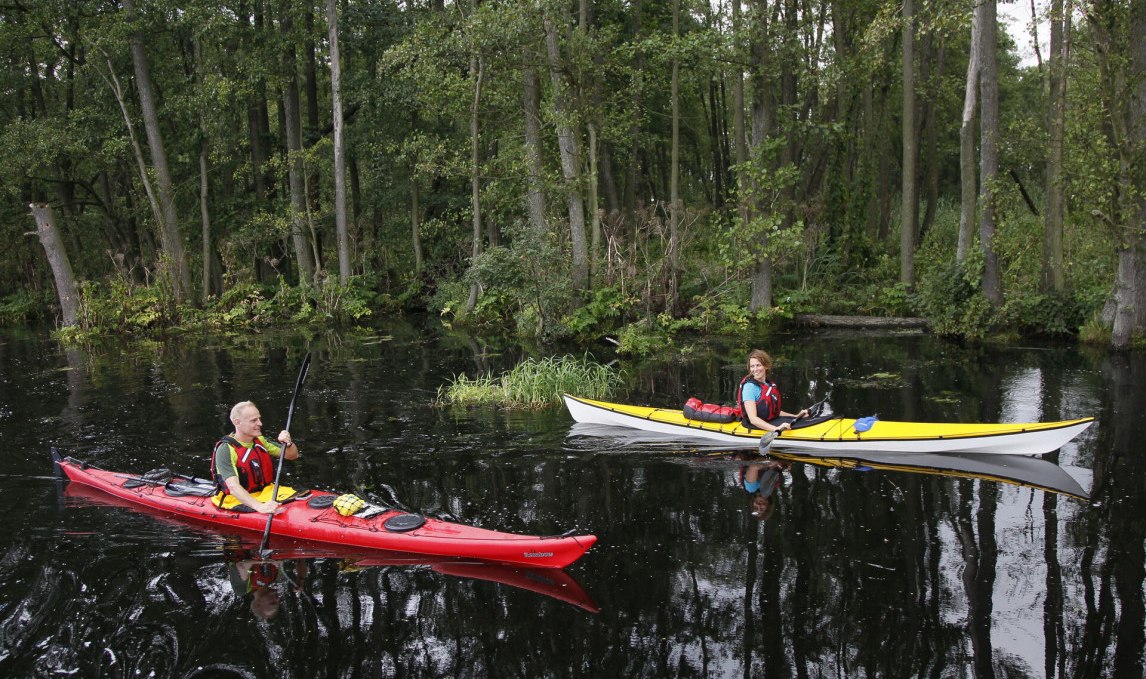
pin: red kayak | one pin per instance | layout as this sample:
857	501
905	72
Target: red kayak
314	519
550	582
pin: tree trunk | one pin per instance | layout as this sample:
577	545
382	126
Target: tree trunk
674	181
340	226
1130	138
295	168
740	140
989	153
204	180
535	167
169	234
909	187
761	127
967	164
58	259
415	221
1053	278
570	160
477	69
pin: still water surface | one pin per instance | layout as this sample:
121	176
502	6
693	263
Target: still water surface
856	574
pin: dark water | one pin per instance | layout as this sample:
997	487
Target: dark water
856	574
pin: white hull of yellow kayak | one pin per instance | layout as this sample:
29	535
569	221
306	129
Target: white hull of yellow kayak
838	434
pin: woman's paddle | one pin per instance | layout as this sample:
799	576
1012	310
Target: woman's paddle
282	453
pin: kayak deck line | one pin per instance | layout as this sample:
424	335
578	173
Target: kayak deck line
300	520
821	434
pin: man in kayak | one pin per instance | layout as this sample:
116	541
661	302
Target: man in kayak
250	574
759	398
242	463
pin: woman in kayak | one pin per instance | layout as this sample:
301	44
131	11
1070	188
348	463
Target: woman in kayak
242	462
759	398
760	481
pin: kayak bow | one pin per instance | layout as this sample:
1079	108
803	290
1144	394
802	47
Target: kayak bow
831	435
389	530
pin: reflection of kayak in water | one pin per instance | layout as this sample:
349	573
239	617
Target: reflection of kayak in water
1013	469
315	519
551	582
834	435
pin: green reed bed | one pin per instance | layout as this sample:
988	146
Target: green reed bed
534	383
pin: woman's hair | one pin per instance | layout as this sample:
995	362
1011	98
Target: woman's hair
762	356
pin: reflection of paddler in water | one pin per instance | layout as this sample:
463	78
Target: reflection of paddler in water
257	577
760	480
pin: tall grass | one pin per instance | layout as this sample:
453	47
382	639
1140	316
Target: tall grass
533	384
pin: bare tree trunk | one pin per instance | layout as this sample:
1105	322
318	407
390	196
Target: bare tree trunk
58	259
169	225
909	186
594	208
761	127
295	168
531	104
415	221
339	146
967	164
1129	131
477	68
204	179
570	160
740	140
989	153
674	181
1052	272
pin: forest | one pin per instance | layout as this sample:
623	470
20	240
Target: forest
566	170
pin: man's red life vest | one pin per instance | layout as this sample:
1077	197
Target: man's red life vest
254	465
263	574
767	406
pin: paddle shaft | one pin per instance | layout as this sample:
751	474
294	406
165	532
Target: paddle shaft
303	369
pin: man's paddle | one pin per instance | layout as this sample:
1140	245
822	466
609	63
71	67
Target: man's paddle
263	551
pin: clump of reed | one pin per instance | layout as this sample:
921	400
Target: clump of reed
534	383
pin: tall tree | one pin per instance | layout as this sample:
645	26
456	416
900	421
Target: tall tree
295	170
534	163
61	265
909	185
169	233
570	153
340	225
674	183
967	164
1122	59
759	68
1053	276
477	74
989	151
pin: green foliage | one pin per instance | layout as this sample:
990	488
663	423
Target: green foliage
18	307
533	384
1047	314
602	314
950	298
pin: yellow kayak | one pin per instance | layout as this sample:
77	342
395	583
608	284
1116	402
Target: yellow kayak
835	434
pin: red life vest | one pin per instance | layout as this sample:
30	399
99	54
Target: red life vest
263	574
254	465
767	406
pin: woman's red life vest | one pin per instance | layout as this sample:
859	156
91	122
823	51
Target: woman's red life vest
767	406
253	465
